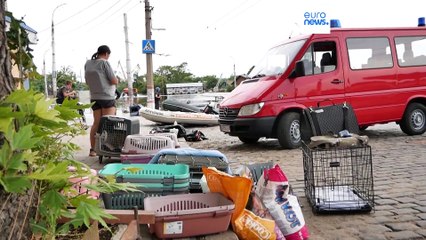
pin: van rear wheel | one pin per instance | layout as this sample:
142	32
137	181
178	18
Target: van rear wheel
414	120
288	134
249	140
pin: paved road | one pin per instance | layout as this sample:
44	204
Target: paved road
399	170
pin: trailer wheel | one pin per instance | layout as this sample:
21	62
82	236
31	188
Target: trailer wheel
249	140
289	135
414	120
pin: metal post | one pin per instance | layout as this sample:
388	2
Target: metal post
128	68
149	67
46	93
235	78
53	52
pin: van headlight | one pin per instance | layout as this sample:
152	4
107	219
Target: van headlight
251	109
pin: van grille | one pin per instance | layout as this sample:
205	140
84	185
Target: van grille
228	113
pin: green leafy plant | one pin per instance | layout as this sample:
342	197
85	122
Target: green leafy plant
36	149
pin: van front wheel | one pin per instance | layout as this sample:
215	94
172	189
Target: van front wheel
414	120
288	134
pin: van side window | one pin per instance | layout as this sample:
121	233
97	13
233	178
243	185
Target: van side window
369	52
411	51
320	57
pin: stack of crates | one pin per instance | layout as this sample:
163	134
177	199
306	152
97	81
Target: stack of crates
141	148
112	133
150	179
195	159
339	179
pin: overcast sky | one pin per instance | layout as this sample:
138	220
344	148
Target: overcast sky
210	35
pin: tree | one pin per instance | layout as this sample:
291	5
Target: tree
7	85
65	74
34	160
6	80
19	47
209	82
140	84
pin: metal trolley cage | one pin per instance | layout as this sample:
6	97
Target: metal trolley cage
339	179
112	133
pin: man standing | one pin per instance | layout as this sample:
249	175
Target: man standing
157	98
65	91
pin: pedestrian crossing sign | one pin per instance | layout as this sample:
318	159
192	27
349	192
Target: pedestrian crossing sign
148	46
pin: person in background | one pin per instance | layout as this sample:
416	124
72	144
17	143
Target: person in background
157	98
102	84
65	92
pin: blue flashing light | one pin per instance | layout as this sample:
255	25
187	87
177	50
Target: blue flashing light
335	23
421	22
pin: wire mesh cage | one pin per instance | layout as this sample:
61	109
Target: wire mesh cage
339	179
112	133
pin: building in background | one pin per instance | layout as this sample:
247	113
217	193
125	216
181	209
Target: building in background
184	88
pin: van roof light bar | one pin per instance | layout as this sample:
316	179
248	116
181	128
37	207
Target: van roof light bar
421	22
335	23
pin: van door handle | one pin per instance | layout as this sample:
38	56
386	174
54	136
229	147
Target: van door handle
336	81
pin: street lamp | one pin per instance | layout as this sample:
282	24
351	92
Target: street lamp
53	52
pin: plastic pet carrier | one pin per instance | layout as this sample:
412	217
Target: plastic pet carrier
79	182
171	135
339	179
195	159
135	158
112	133
150	179
146	144
256	170
188	215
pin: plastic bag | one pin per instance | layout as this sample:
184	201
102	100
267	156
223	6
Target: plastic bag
273	188
259	209
244	223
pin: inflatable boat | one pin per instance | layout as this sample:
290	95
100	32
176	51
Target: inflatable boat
183	118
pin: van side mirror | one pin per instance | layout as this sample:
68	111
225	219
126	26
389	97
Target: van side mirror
299	70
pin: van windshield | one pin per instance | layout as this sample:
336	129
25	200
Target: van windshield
277	59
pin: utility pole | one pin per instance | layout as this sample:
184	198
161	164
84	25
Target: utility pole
149	67
53	52
46	93
128	68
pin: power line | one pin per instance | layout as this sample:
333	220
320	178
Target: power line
73	15
225	20
110	17
93	19
227	13
77	13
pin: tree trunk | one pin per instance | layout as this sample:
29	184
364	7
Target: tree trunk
7	83
16	210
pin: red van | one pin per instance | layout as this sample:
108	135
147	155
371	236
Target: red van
380	72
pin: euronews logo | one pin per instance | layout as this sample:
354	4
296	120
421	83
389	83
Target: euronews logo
315	19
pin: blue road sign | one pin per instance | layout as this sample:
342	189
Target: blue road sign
148	46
